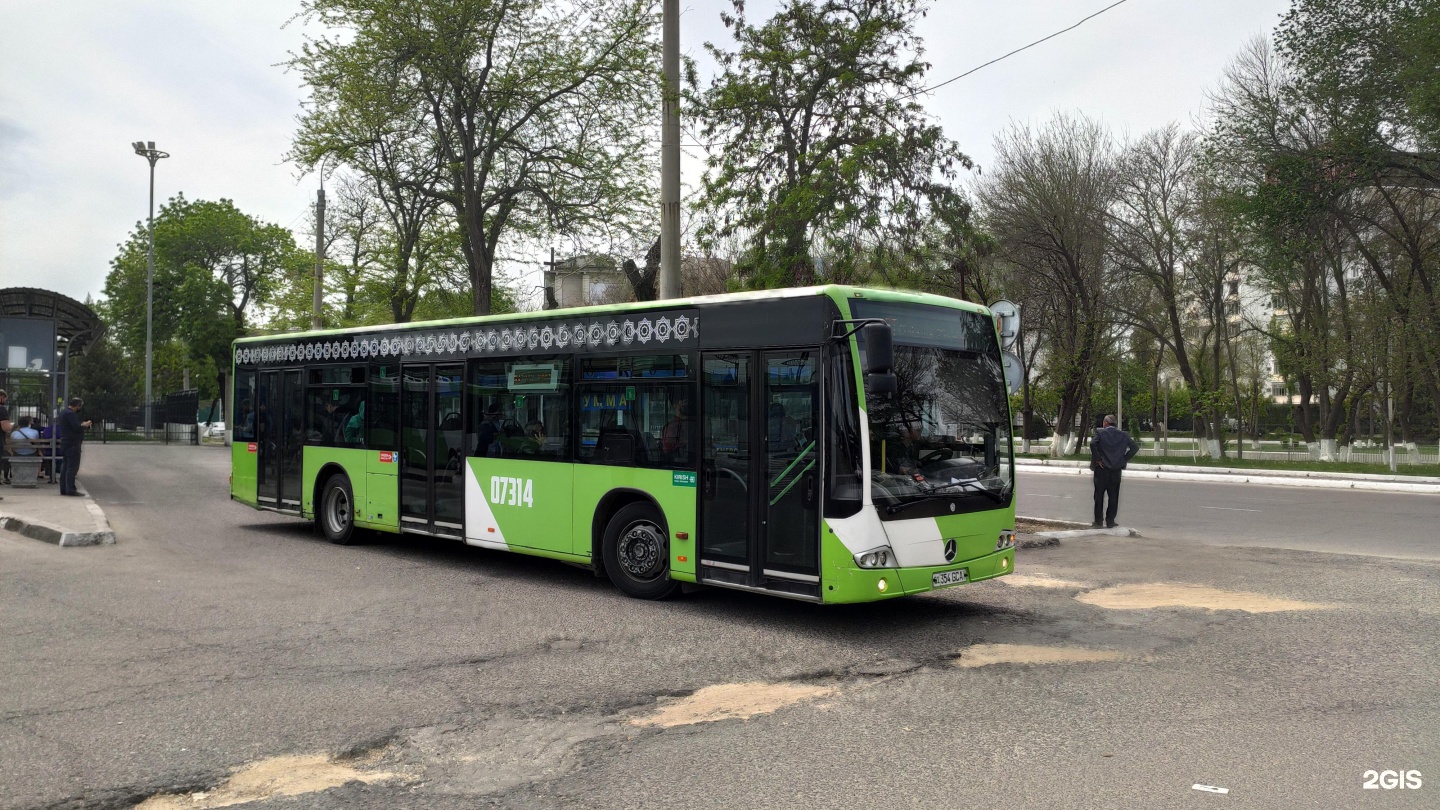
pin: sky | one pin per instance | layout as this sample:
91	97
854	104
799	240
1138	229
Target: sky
82	79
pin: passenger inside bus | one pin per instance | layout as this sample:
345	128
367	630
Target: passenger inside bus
675	438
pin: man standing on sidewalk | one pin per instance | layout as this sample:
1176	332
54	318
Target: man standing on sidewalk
72	433
1110	450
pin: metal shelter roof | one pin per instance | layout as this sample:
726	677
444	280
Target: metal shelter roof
73	320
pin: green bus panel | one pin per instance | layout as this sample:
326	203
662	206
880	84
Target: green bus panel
244	461
382	491
673	490
530	502
319	463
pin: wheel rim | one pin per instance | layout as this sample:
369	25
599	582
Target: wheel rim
642	551
337	510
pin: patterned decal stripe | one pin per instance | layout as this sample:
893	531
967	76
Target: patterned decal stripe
670	329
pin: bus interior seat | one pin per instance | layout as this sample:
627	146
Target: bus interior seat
619	446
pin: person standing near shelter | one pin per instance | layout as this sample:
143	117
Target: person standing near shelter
1110	451
5	428
72	433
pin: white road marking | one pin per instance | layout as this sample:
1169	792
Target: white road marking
1230	509
1040	495
1210	788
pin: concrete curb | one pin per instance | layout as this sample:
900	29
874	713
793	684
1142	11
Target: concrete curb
1275	478
101	536
1080	530
1118	531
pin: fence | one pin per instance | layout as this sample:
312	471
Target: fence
1188	447
175	420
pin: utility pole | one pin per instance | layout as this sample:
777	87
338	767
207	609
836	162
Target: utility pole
147	150
669	286
315	321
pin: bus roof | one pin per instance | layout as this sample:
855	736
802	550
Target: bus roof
834	291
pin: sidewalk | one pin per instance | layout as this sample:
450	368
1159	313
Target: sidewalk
1279	478
41	513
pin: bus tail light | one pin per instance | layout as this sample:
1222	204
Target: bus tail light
874	558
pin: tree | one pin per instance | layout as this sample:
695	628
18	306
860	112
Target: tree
530	108
1153	217
215	266
1047	205
818	135
105	379
643	282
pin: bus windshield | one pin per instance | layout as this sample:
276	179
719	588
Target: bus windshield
943	437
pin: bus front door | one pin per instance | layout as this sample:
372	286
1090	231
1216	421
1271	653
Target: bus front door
432	449
760	523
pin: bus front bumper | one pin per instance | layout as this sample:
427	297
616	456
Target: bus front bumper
919	580
854	584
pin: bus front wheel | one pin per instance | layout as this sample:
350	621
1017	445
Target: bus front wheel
337	510
637	554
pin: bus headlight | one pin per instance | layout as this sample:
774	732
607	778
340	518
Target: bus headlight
1007	540
874	558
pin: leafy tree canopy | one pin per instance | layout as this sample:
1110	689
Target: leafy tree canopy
818	134
539	116
214	266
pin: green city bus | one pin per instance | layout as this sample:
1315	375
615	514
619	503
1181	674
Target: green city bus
830	444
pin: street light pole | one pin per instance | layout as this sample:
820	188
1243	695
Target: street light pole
147	150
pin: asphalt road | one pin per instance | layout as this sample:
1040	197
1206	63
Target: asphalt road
1390	524
221	654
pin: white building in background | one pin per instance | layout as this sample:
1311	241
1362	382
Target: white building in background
1248	307
591	279
584	280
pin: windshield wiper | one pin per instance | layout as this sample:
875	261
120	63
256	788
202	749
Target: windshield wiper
928	495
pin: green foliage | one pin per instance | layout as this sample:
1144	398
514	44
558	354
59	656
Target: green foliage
535	116
820	138
214	266
112	382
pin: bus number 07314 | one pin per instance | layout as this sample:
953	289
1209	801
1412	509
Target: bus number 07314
506	491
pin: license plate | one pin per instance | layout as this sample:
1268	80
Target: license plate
943	578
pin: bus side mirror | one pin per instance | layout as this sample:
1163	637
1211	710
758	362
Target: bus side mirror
882	383
879	358
879	348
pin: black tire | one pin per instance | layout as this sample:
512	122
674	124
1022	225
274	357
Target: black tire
335	513
637	553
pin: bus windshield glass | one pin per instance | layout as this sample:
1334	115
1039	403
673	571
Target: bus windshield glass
943	437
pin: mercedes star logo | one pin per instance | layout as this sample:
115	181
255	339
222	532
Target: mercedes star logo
950	550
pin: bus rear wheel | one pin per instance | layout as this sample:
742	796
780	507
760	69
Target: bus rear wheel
337	510
637	553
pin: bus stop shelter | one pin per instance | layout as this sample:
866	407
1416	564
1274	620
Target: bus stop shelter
40	331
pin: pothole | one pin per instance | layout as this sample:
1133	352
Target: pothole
1160	595
266	779
984	655
731	701
1042	581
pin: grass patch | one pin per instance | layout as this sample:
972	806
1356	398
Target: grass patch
1265	464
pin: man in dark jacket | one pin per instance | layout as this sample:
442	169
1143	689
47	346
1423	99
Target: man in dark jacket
72	433
1110	450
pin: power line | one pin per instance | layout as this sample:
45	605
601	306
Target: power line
1017	50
